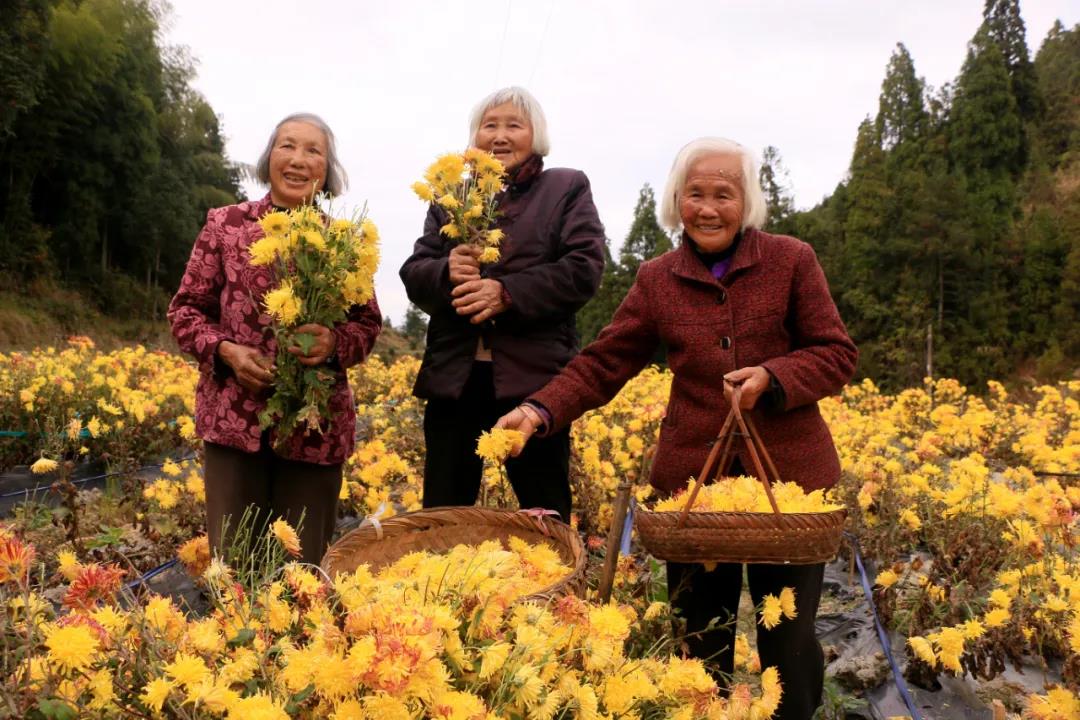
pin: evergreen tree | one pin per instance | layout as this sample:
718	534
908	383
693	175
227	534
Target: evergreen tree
597	313
944	223
986	131
646	238
1057	68
1006	27
776	186
415	326
902	116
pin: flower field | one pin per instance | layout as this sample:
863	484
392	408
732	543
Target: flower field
964	500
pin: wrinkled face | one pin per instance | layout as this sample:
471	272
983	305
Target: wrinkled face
711	202
297	163
507	134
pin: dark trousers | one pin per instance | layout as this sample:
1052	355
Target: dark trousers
540	476
792	646
275	487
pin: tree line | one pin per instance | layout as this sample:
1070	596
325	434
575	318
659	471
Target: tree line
109	160
951	246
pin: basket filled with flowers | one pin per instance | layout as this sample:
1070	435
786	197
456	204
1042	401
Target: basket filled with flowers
742	519
546	550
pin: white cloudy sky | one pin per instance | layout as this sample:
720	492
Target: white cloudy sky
624	83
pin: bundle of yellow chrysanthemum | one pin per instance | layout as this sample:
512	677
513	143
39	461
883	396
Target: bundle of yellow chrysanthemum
323	268
430	636
464	185
747	494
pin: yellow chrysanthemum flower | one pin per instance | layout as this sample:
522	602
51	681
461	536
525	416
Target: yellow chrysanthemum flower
156	693
72	647
495	446
286	535
423	191
886	578
275	223
771	612
996	617
787	603
44	465
923	650
283	304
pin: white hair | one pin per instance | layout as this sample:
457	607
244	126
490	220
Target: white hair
337	180
524	101
754	205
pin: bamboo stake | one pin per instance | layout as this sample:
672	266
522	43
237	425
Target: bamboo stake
614	540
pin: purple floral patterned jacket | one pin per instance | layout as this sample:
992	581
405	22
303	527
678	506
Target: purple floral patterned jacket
220	298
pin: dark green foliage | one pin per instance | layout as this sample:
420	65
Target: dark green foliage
1057	68
645	240
415	327
775	185
22	46
111	160
947	226
1006	27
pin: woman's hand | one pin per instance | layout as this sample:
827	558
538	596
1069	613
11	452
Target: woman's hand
480	298
321	349
464	265
753	380
525	420
254	371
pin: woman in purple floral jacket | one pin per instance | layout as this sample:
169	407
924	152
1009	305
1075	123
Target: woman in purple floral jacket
217	317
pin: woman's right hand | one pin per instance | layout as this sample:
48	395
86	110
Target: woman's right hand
525	420
464	263
254	371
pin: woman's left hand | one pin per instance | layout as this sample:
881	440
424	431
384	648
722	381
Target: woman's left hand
320	350
753	380
480	298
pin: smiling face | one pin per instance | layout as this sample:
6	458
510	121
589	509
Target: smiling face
297	164
711	204
506	133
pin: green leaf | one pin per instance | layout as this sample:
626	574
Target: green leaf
57	710
305	341
243	637
108	537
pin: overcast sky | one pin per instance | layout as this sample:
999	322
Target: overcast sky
624	84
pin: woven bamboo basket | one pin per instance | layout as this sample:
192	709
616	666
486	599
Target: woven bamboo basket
440	529
740	537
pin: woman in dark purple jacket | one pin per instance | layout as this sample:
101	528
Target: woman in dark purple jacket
733	305
501	331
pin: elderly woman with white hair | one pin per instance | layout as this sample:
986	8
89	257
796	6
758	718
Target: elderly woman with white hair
499	332
735	306
217	317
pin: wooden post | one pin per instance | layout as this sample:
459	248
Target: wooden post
614	540
930	351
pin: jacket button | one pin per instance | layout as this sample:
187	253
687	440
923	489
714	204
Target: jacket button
721	298
725	342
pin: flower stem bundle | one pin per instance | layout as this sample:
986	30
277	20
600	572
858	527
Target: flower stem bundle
322	268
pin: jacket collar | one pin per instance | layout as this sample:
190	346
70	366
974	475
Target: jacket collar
257	208
688	265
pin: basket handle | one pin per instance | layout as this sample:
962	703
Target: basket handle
723	448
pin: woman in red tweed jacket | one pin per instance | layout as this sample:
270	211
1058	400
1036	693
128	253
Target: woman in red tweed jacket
733	305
